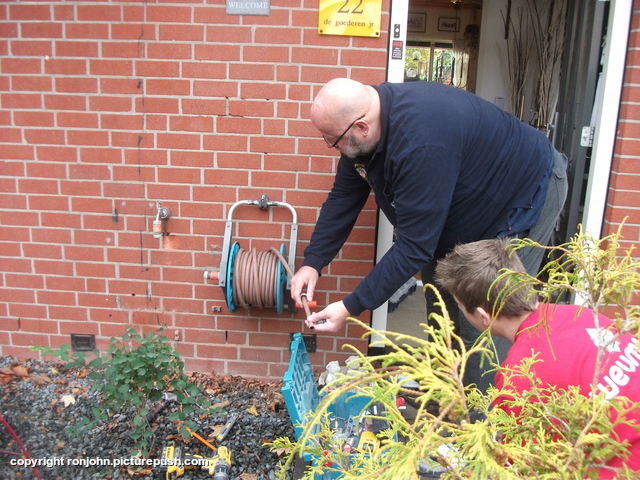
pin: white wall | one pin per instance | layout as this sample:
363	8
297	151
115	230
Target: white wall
490	82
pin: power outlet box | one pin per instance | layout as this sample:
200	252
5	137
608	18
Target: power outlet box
309	340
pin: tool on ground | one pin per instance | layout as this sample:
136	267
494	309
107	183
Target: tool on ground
167	398
174	462
368	442
226	429
201	439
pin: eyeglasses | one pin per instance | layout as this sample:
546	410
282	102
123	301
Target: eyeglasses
332	145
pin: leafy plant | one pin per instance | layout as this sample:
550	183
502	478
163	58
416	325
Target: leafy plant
558	435
136	372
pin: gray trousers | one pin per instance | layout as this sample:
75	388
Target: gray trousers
482	376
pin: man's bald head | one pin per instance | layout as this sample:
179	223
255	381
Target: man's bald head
338	103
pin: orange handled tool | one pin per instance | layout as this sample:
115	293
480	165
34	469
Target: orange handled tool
306	304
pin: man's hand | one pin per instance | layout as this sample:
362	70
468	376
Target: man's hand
305	277
334	317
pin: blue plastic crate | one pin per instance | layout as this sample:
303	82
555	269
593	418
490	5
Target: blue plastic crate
301	396
299	390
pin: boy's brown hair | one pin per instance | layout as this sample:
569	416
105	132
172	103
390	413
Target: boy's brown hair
470	270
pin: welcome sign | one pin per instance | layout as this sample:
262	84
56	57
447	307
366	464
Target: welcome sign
248	7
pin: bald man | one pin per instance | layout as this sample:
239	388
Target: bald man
446	167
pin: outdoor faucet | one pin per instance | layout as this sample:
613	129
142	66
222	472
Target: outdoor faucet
159	224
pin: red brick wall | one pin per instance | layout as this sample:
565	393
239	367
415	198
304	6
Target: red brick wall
623	198
109	107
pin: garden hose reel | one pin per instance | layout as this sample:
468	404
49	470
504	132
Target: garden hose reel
250	278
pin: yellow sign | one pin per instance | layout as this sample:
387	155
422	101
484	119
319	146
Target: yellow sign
358	18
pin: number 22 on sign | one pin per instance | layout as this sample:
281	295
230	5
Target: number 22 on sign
358	18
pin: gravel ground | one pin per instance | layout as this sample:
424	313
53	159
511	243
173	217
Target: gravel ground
39	399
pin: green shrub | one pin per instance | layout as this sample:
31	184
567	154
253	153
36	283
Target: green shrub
563	437
135	372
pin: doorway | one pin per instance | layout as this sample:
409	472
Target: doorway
586	24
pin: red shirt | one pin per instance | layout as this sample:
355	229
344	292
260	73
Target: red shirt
567	352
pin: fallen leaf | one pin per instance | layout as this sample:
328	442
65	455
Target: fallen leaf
281	451
253	410
41	379
248	476
68	400
5	379
20	371
60	445
6	371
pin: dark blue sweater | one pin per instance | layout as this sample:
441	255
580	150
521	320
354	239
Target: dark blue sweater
450	168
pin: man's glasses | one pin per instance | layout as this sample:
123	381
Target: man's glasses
332	145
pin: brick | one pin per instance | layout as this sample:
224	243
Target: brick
232	35
174	51
158	105
204	106
99	13
179	141
23	281
186	33
149	68
113	104
11	135
29	12
120	49
52	267
111	67
150	318
226	177
266	144
167	87
263	72
76	84
77	49
16	101
40	186
13	202
168	14
77	119
213	52
251	108
65	66
255	354
100	155
192	159
21	65
54	137
41	30
261	53
288	73
34	119
261	90
27	310
86	30
184	123
63	12
23	83
121	86
65	102
271	35
217	351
